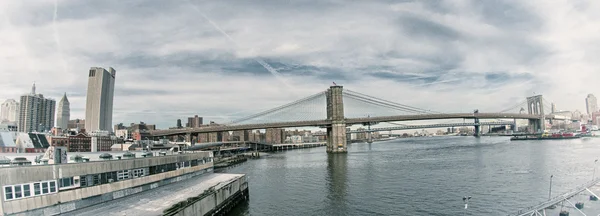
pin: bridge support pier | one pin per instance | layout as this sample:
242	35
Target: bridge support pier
535	106
477	128
336	134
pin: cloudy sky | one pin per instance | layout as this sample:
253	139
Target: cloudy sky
184	57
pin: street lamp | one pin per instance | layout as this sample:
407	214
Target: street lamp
466	200
550	191
594	174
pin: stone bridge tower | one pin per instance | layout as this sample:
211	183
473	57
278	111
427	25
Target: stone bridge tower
336	132
535	106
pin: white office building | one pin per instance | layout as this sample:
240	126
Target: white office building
99	101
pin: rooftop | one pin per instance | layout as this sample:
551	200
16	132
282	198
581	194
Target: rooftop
155	201
93	156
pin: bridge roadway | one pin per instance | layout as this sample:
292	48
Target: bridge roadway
349	121
409	127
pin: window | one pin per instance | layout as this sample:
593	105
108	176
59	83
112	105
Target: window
26	190
37	189
123	175
44	187
18	193
66	182
8	192
52	186
83	181
96	179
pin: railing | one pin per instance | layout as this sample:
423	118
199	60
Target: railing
557	199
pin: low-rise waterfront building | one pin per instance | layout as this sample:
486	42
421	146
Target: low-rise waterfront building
57	185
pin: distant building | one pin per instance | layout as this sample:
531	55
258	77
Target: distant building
8	126
141	126
179	123
576	115
58	140
36	112
596	118
63	113
275	135
99	101
123	133
9	111
591	104
76	124
7	141
32	142
194	122
102	141
80	143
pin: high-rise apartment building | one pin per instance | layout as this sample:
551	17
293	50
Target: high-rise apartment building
591	104
36	112
99	101
9	111
63	113
194	122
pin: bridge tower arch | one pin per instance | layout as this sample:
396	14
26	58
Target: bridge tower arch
336	132
535	107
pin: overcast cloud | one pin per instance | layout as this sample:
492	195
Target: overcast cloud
449	56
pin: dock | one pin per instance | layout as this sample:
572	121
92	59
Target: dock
206	195
581	196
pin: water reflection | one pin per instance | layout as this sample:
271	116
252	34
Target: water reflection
337	184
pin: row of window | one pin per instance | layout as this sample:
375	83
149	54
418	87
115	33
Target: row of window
24	190
46	187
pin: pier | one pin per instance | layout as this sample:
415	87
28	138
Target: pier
563	202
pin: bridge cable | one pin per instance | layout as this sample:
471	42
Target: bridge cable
377	103
374	101
279	108
390	102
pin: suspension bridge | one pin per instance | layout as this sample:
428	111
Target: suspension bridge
337	108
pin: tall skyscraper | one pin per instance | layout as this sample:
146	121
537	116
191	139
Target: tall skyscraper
9	111
99	102
63	114
36	112
591	104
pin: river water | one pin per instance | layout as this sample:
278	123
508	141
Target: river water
417	176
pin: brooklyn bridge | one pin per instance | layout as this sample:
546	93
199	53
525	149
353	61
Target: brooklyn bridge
337	108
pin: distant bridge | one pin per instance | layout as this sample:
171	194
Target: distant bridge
352	121
299	114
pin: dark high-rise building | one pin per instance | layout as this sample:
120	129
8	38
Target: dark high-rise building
179	123
194	122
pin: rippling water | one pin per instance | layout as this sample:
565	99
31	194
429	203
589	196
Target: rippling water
417	176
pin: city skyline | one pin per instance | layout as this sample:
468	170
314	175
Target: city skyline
404	47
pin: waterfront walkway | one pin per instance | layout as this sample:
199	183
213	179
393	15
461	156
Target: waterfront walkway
567	202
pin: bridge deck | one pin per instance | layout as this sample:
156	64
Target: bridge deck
349	121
